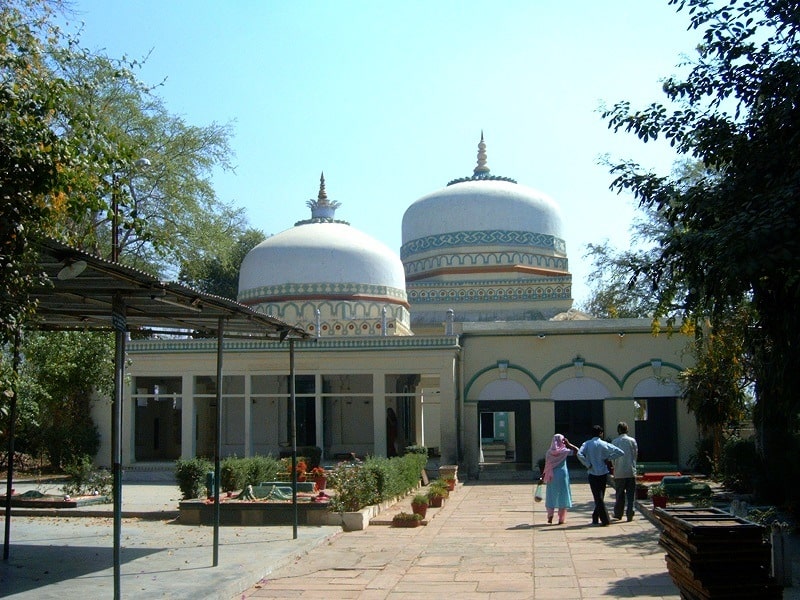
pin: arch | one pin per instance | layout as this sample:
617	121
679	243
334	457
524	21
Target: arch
656	388
580	388
504	389
527	375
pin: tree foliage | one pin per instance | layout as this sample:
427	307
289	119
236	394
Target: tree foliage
734	233
34	158
219	273
56	393
74	126
152	163
717	386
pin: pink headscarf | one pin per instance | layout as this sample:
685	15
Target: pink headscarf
556	454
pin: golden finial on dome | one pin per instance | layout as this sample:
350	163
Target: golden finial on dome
482	167
322	209
322	197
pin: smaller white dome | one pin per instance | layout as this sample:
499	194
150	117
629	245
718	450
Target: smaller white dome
317	253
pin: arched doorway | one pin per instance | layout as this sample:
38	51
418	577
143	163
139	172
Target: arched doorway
504	422
578	405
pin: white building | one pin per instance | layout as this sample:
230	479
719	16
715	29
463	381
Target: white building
465	343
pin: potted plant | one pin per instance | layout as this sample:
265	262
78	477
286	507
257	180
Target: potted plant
405	519
320	479
301	467
658	495
419	505
450	482
436	494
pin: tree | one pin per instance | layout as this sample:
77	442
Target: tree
150	164
615	295
219	274
73	127
717	387
34	158
61	374
734	234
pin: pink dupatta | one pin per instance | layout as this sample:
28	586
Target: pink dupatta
556	454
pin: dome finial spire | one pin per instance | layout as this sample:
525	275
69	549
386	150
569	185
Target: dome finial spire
322	209
482	168
322	197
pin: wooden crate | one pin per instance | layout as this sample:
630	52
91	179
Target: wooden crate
713	554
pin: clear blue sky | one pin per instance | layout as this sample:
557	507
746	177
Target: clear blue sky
389	98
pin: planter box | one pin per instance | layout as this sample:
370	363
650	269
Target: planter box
198	512
406	523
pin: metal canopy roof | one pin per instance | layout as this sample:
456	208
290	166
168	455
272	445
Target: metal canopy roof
84	288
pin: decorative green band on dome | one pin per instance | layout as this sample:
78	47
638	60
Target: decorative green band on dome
321	290
458	239
482	177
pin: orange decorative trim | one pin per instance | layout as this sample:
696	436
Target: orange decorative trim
497	269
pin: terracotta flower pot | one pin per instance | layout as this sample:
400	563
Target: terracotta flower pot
320	481
419	509
659	502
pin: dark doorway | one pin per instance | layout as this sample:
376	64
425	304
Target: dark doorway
574	420
522	419
657	435
487	426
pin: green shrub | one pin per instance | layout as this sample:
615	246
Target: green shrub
416	450
232	473
237	473
374	480
85	479
258	469
355	486
701	461
739	464
191	476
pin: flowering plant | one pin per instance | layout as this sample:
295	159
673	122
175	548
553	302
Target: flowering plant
317	471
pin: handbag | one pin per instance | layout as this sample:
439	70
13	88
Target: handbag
537	495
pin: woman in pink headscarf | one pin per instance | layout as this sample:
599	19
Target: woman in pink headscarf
556	476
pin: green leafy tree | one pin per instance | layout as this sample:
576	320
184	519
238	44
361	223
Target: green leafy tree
152	165
717	387
74	127
734	233
35	159
61	374
219	273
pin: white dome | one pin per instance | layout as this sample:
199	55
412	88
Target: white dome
485	248
327	277
482	205
320	253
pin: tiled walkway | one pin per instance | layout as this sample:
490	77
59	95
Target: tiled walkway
490	540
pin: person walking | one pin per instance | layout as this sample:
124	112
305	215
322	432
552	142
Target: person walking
625	472
593	454
556	476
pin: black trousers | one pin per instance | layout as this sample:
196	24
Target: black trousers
626	490
597	483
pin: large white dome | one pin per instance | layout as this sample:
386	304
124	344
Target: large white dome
487	249
482	205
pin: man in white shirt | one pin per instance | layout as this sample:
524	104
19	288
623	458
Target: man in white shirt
625	472
593	455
